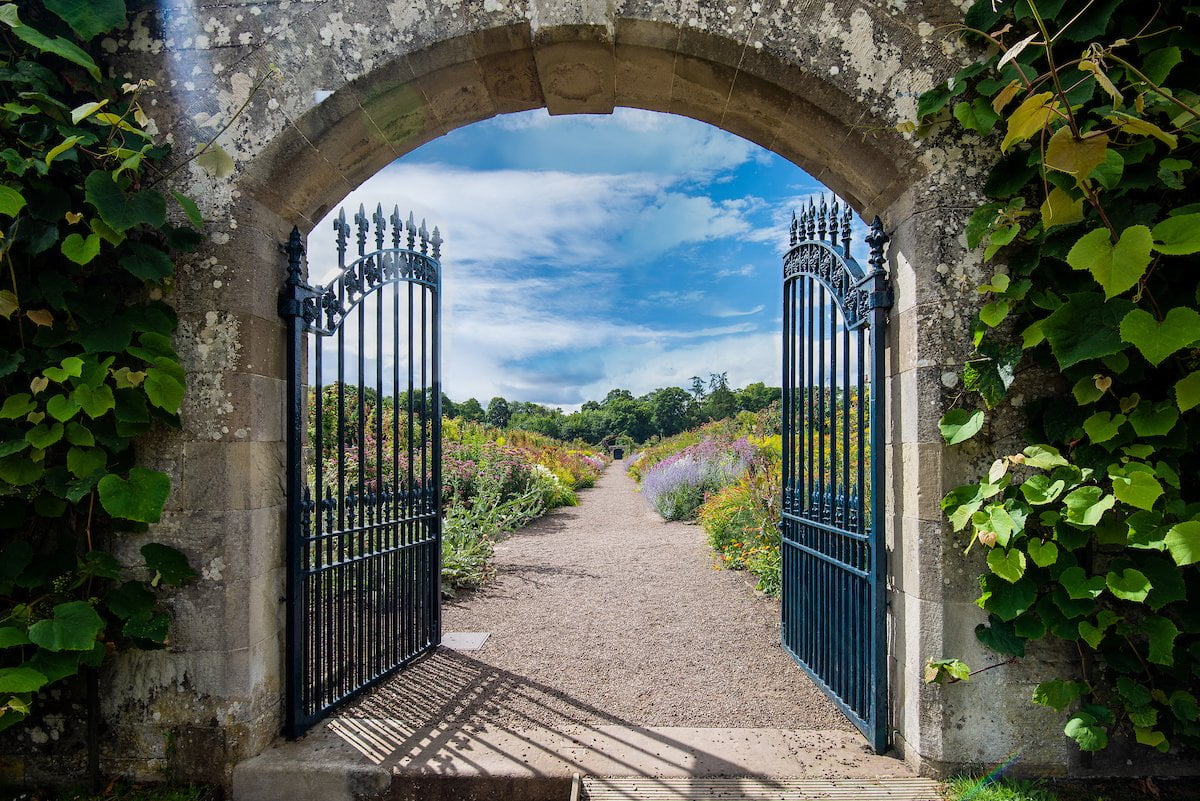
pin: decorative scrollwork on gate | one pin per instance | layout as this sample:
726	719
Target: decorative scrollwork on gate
413	257
819	245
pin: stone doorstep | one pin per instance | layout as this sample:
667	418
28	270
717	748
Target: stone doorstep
362	758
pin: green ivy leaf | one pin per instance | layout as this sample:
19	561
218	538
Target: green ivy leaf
1115	267
171	565
1187	391
57	46
976	116
959	425
62	408
163	389
1086	505
146	262
1043	552
89	18
11	201
1161	634
1157	341
1007	564
21	680
44	435
1000	636
1128	584
1085	729
1085	327
74	627
1103	426
1079	586
1043	457
1136	486
130	599
83	462
1038	489
11	636
1183	542
17	405
1058	694
122	210
1093	634
140	498
95	401
1154	419
1178	236
19	470
190	209
1006	600
213	159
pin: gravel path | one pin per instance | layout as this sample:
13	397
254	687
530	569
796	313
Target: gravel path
605	613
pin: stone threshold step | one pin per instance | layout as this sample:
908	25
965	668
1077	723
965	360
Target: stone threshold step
357	758
758	789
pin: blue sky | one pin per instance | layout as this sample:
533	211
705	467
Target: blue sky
584	253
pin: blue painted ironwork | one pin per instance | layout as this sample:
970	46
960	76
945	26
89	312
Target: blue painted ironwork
832	521
363	491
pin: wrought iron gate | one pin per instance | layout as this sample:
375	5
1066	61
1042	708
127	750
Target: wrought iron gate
834	318
363	462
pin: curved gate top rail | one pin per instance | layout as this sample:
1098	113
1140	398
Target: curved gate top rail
324	308
363	461
832	539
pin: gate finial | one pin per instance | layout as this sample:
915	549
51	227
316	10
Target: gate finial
412	231
343	235
380	226
360	220
833	221
436	240
295	257
397	227
847	217
810	230
792	230
424	232
821	213
876	239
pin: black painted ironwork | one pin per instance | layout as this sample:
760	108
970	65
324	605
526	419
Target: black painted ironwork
834	559
363	461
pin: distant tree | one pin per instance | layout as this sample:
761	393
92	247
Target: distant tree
758	396
720	401
616	394
668	410
498	413
449	407
469	410
697	388
629	417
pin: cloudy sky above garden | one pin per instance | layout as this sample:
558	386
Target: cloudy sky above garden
584	253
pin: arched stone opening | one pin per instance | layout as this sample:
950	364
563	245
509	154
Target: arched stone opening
822	86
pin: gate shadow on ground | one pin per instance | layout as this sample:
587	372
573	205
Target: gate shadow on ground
451	715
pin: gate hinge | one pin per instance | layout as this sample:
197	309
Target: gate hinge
291	300
880	299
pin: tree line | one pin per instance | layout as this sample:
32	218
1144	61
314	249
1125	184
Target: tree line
663	412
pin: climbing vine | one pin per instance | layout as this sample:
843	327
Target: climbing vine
86	361
1092	532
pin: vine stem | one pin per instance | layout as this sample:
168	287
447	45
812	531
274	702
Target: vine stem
1053	68
212	142
985	669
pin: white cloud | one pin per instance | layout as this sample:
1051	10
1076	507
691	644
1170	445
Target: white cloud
722	311
745	271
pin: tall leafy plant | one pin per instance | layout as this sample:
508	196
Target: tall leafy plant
1092	532
86	359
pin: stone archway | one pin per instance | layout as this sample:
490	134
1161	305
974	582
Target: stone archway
344	91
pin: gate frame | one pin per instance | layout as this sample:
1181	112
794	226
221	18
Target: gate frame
869	295
300	307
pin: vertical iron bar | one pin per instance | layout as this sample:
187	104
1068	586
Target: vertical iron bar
436	439
295	291
880	304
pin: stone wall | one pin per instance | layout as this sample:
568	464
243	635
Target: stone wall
318	96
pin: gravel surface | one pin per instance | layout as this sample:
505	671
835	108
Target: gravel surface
605	613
